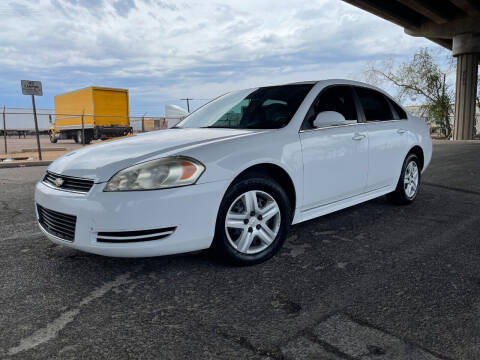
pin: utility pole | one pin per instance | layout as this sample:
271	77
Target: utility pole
143	122
4	131
188	103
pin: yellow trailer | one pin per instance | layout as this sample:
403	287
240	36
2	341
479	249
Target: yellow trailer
105	114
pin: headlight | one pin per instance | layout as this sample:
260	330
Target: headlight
157	174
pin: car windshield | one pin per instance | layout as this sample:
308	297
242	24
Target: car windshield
261	108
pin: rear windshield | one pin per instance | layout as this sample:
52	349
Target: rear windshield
263	108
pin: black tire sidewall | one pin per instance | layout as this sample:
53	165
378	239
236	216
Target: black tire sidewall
222	246
53	140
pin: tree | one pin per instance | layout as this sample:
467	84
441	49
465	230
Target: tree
422	79
477	107
478	87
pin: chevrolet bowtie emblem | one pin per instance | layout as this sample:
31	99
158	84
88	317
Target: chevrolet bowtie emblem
58	182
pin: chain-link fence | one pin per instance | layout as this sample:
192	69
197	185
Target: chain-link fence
436	129
17	129
64	132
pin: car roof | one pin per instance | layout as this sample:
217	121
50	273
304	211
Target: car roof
328	82
332	82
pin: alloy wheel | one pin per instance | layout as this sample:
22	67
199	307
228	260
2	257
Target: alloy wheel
410	179
252	222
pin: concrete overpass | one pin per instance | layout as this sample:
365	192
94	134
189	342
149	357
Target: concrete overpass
453	24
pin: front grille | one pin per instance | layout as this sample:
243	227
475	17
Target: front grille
68	183
134	236
57	223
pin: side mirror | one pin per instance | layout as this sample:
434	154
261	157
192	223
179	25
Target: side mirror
329	118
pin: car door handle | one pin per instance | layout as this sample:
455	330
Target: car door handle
358	136
401	131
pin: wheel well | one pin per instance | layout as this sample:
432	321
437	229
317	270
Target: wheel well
276	173
417	150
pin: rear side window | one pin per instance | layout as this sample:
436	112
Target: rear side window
375	105
335	98
400	112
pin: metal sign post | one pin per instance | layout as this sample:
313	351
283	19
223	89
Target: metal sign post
33	88
36	128
4	131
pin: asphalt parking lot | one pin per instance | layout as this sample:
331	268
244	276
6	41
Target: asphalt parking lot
375	281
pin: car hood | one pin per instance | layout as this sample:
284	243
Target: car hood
100	162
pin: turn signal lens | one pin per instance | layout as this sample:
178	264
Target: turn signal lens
189	170
157	174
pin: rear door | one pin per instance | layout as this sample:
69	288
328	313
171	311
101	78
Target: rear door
387	138
335	158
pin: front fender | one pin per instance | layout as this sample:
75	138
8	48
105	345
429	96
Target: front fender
226	160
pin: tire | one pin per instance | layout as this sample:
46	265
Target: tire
53	140
409	177
259	239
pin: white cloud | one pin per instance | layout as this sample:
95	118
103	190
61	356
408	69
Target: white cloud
164	49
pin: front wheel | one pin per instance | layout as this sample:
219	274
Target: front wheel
52	137
252	221
409	182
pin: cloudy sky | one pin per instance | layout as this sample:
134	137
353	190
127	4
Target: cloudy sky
164	50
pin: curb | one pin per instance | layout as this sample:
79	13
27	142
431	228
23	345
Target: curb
439	141
24	164
34	150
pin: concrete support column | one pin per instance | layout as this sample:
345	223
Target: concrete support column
467	71
466	48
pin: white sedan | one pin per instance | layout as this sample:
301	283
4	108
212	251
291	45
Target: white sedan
236	173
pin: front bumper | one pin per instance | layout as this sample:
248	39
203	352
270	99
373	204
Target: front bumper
191	210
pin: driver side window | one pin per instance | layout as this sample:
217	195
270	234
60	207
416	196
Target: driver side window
335	98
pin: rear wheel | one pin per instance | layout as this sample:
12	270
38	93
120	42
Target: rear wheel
409	182
252	221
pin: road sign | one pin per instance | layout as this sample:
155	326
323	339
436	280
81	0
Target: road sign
32	88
